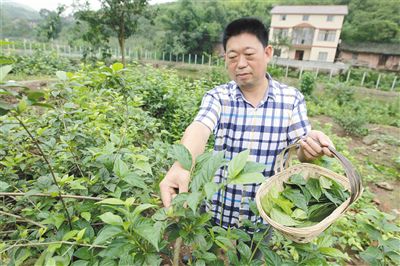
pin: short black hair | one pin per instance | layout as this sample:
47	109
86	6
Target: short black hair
246	25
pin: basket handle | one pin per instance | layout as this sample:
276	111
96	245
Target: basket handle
351	173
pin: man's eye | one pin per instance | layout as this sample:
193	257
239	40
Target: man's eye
232	57
249	54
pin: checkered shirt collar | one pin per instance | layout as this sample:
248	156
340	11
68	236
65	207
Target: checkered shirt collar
271	90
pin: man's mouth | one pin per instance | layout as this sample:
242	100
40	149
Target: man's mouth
242	75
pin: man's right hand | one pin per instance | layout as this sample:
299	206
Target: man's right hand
176	180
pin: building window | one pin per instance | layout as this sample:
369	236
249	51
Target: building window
280	34
329	18
283	17
277	52
327	35
306	17
322	56
302	36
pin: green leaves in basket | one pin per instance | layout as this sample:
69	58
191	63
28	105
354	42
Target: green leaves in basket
303	202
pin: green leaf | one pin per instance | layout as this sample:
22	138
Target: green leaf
270	257
237	164
86	216
284	204
23	254
224	242
332	252
135	180
111	201
318	212
120	168
22	105
80	234
254	167
283	218
296	179
83	253
117	66
299	214
372	255
139	209
210	189
106	233
247	178
34	96
233	258
61	75
3	186
151	232
267	202
4	70
193	200
314	188
144	166
205	170
69	235
295	196
325	182
110	218
244	250
182	155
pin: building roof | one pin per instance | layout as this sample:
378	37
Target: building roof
373	48
315	10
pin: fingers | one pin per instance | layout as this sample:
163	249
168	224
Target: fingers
319	143
167	194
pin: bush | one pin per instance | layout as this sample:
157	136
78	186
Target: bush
41	63
307	83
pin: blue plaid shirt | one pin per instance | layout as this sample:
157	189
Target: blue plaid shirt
278	120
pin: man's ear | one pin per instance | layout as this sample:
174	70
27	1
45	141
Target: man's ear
268	51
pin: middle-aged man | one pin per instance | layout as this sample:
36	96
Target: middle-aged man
253	111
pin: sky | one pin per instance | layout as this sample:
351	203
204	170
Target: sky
52	4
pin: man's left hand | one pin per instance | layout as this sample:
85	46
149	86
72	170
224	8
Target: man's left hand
314	145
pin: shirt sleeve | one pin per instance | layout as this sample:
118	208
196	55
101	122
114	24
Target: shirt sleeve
210	111
299	125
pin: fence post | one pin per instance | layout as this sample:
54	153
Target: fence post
287	70
330	74
155	55
163	56
209	60
301	72
393	83
190	58
195	59
316	73
183	58
348	75
30	47
170	56
377	82
363	78
176	58
24	46
202	59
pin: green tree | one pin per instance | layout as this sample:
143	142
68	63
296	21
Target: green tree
51	26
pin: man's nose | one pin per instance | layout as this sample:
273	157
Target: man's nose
242	63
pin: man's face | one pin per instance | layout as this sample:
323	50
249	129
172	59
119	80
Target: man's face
247	60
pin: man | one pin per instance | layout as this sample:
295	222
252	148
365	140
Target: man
254	112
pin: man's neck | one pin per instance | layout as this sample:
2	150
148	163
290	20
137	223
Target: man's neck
256	94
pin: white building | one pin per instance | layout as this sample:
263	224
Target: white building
306	32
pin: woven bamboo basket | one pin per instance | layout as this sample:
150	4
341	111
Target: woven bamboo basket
283	171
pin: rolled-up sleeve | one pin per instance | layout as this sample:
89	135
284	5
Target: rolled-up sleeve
210	111
299	125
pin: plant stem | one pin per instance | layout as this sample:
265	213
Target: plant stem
177	250
48	195
259	242
22	219
50	169
55	242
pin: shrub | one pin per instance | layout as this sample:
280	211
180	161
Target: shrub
307	84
